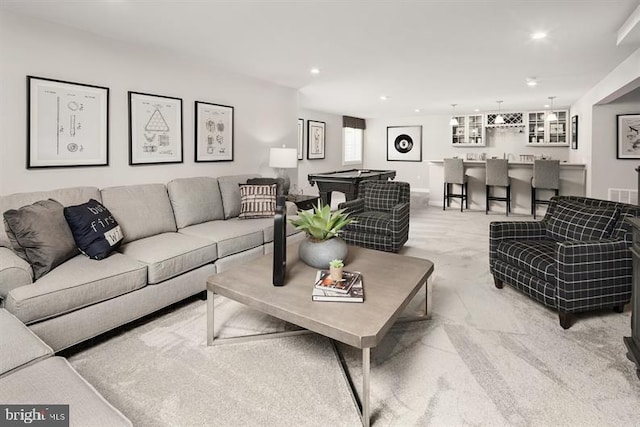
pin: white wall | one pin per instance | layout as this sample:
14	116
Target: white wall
612	172
436	145
332	150
596	145
265	114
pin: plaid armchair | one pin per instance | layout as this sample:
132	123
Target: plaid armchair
576	259
381	216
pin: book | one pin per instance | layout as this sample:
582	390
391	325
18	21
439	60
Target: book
325	283
355	294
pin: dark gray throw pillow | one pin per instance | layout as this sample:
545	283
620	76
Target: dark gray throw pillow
268	181
94	229
41	233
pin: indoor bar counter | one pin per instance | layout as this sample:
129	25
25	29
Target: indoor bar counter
573	179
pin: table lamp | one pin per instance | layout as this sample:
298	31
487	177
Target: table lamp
281	159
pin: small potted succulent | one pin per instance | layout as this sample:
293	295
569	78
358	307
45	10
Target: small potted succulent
322	228
335	269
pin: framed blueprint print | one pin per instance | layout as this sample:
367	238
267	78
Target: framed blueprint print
67	124
315	139
155	129
214	132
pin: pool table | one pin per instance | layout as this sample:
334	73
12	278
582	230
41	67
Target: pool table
346	181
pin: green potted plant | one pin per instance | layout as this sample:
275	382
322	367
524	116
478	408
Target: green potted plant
322	228
335	269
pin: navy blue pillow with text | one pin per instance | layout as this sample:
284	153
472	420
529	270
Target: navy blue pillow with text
94	229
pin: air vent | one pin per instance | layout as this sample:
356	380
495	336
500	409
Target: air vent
623	195
510	120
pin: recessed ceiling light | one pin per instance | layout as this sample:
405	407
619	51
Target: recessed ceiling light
538	35
383	97
315	71
546	105
417	110
476	110
531	81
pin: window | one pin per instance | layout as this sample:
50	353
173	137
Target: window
352	140
352	146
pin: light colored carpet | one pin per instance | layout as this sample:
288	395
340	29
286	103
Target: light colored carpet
488	357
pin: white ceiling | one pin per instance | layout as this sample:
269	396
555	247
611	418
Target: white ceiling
421	54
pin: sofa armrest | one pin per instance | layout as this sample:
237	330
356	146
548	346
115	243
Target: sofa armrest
352	206
14	272
513	230
291	209
400	217
587	271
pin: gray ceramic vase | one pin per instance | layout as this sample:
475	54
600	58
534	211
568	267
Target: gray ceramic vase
318	254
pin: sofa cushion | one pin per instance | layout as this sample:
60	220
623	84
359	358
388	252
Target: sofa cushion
170	254
257	201
20	347
232	235
54	382
380	196
141	210
373	222
94	229
572	221
290	230
77	283
40	233
195	200
230	192
534	256
66	196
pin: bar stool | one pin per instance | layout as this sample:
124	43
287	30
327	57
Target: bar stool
454	174
498	176
546	176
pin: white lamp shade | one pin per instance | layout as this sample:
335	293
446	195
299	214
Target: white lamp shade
453	122
499	120
551	117
283	158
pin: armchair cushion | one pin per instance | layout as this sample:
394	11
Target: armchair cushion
571	221
381	197
536	257
373	222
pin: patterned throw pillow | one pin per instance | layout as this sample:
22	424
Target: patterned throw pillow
381	197
257	201
571	221
40	233
94	229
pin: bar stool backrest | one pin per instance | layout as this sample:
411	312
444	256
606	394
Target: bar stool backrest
454	171
546	174
498	172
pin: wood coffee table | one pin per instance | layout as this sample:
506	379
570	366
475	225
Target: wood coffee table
390	282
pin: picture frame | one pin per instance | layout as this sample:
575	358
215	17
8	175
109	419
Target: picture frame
155	129
628	136
67	124
574	132
300	139
404	143
214	131
315	139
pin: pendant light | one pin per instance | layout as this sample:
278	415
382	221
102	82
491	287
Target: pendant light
551	116
499	120
453	121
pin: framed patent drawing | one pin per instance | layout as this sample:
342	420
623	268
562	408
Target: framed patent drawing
155	129
67	124
213	132
315	139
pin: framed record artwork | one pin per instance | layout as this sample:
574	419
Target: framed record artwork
404	143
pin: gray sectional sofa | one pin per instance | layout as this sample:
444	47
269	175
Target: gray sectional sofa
31	376
175	236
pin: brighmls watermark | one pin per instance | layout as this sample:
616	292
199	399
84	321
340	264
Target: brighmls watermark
34	415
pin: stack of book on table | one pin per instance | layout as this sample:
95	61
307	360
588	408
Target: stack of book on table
349	289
